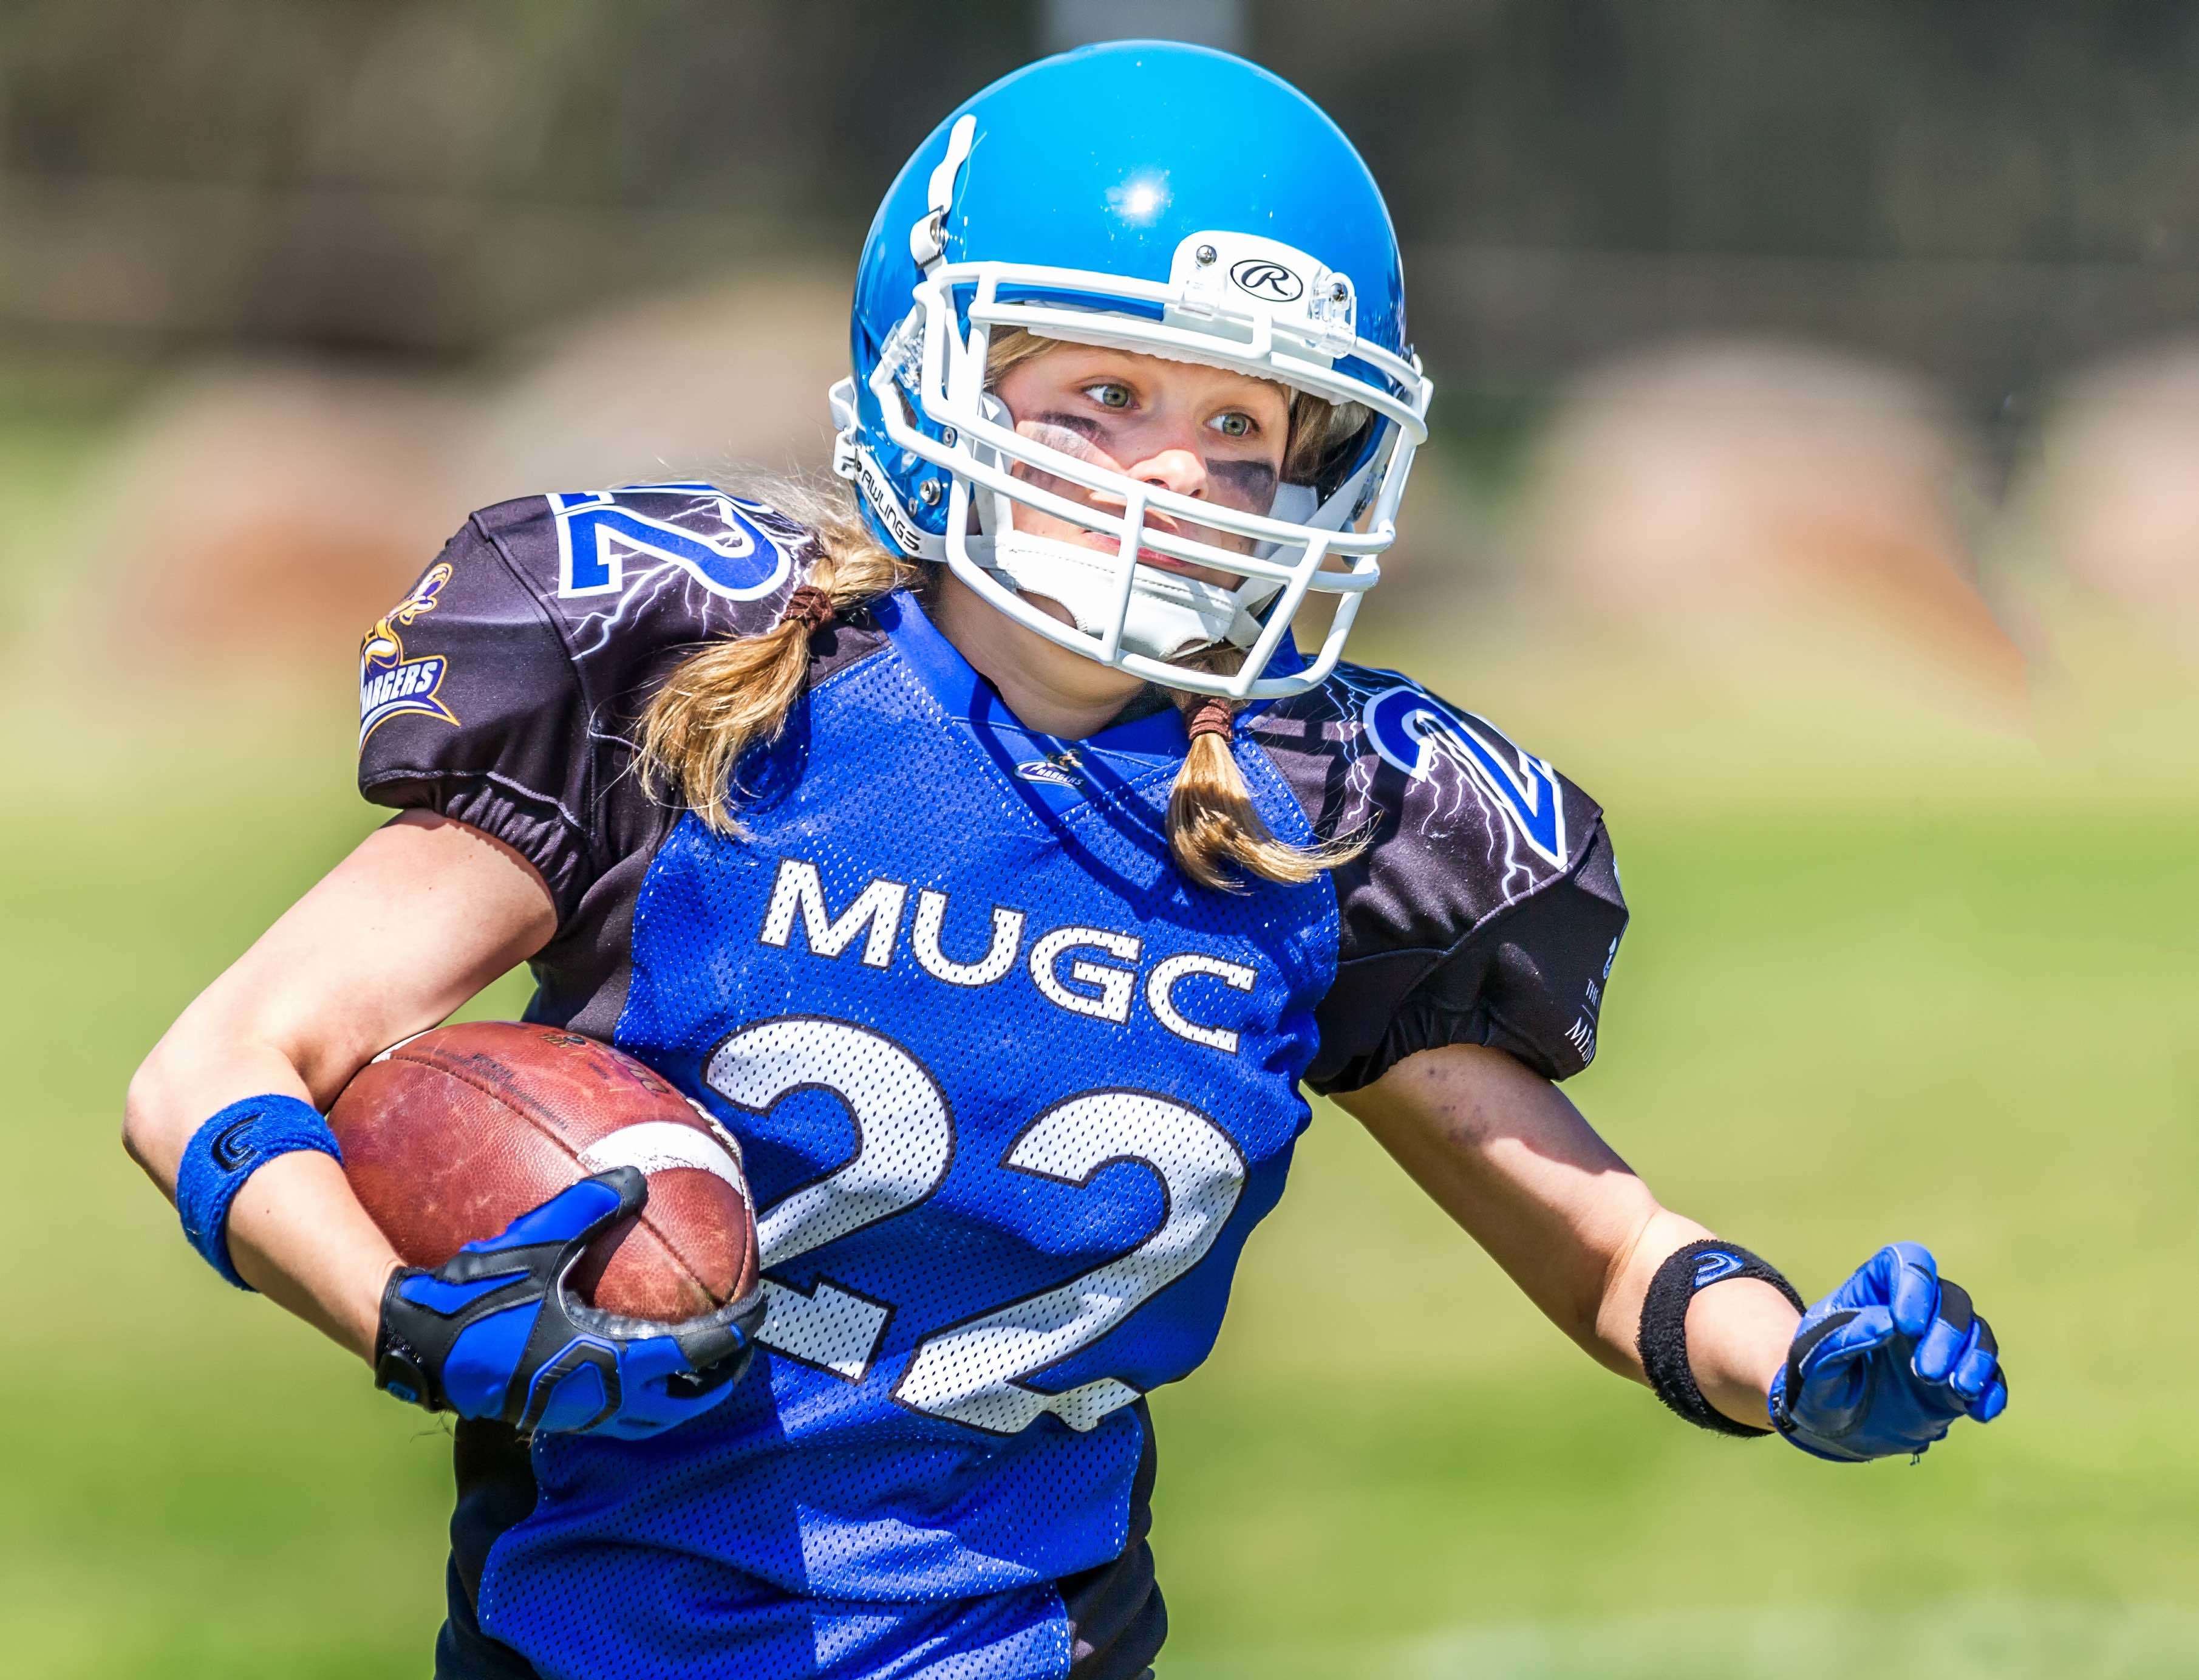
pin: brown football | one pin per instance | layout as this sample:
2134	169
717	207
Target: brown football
450	1136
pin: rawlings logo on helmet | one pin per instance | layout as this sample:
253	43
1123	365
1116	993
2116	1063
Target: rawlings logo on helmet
1264	278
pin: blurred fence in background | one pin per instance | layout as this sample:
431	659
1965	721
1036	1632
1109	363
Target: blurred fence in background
1989	194
324	275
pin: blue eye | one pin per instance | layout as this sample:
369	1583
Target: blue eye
1235	424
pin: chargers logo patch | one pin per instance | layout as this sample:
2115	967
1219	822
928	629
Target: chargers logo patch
1059	768
708	534
1412	730
389	684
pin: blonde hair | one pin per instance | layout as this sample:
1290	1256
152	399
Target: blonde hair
1214	829
737	693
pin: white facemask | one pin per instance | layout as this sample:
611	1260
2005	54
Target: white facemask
1169	615
1134	616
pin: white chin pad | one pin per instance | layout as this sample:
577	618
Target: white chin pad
1169	615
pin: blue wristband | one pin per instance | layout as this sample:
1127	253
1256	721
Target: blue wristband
229	1149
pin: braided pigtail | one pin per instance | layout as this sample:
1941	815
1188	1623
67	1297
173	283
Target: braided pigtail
736	693
1216	832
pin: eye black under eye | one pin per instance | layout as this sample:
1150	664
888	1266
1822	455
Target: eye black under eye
1253	481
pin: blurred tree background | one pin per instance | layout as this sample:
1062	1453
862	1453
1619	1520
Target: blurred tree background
1817	410
1985	193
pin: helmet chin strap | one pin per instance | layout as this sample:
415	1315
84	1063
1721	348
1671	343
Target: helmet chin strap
1169	615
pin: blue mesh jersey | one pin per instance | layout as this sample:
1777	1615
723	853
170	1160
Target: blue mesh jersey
1013	1092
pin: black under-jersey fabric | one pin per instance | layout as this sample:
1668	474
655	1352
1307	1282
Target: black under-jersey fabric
496	1490
1116	1619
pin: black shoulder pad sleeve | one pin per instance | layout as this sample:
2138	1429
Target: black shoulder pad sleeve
1528	979
1484	907
500	691
468	707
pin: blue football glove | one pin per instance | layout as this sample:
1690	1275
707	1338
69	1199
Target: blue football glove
496	1333
1886	1363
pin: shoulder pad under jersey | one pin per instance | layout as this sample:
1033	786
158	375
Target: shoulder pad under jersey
500	689
1484	906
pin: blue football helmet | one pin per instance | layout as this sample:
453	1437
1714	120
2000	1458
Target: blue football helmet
1153	198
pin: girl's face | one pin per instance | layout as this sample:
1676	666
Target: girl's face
1200	432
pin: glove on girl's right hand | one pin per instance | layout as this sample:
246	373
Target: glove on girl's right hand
496	1333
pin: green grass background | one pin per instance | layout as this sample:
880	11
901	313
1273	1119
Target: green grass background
1898	978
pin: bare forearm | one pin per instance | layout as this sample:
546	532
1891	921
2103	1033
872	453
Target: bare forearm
421	915
298	1235
295	1232
1508	1157
1738	1332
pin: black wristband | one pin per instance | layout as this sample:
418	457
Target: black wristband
1663	1340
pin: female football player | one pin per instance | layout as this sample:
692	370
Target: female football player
982	851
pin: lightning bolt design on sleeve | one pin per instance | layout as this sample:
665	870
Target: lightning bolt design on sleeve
689	550
1474	786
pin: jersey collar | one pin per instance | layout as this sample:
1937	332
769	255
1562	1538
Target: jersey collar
966	695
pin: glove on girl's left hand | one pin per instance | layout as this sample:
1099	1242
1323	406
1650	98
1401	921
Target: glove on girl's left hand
1886	1363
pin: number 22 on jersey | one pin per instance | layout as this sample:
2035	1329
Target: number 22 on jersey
976	1371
